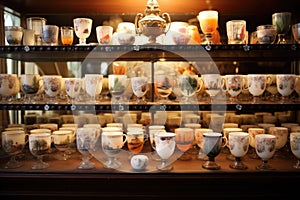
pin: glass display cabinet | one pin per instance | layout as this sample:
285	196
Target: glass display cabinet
187	178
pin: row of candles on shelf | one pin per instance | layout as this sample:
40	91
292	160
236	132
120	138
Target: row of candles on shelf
120	86
178	32
106	144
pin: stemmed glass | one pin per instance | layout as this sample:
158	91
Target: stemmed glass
226	132
256	85
165	147
86	139
112	143
135	140
189	85
82	28
282	21
252	133
180	32
62	140
234	86
199	140
285	85
184	141
73	87
52	86
296	32
265	149
212	145
117	85
10	86
295	147
163	86
238	146
126	33
297	87
39	146
281	134
30	85
13	143
140	88
105	91
271	86
153	130
213	84
93	85
209	23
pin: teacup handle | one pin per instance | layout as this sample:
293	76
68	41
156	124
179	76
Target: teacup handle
200	84
146	137
224	141
124	138
26	138
223	84
244	85
268	79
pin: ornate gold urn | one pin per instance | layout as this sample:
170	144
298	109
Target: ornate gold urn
151	24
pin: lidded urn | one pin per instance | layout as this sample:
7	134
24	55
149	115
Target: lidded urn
150	24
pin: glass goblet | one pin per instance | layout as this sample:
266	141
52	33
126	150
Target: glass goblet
189	85
10	86
140	88
252	133
199	140
297	87
82	28
295	147
52	86
213	84
73	87
226	132
153	130
66	35
39	146
93	85
238	146
212	145
195	149
86	139
119	67
265	149
117	85
126	33
70	127
112	143
281	134
105	91
234	86
180	33
165	147
30	85
256	86
104	34
184	141
271	86
62	140
285	86
208	20
135	140
296	32
282	21
13	143
163	86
